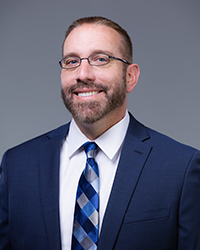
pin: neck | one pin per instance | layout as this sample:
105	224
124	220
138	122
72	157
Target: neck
94	130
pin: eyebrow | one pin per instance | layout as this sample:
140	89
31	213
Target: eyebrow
72	54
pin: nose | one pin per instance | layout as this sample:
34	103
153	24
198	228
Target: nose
85	72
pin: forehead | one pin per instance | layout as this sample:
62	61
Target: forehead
88	38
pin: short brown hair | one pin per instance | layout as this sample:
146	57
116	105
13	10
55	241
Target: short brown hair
126	40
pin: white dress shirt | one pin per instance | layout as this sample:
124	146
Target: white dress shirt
72	163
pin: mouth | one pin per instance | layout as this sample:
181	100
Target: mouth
87	94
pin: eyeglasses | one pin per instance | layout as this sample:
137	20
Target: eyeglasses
72	62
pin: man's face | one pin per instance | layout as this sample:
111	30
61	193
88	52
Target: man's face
91	93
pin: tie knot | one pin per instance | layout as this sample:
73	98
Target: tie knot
90	149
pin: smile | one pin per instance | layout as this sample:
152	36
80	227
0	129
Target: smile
86	94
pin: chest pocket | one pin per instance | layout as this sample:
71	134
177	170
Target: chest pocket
146	215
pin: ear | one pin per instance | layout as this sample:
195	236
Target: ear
132	75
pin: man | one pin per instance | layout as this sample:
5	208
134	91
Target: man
148	192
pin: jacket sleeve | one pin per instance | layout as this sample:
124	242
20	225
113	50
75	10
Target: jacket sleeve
4	223
189	209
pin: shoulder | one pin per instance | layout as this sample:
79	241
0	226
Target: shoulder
164	142
161	144
31	146
169	152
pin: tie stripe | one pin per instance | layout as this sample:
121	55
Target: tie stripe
85	229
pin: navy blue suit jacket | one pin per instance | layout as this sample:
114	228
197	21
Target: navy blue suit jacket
154	203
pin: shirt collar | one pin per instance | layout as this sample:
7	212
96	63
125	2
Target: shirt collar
115	134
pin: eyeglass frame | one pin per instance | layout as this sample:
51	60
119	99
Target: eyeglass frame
87	58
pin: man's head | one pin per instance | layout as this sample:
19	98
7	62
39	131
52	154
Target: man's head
126	44
96	76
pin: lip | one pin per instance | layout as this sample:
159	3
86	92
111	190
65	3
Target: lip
87	93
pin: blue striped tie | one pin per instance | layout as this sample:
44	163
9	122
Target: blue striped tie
85	228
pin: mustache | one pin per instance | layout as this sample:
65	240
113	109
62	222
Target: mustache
81	84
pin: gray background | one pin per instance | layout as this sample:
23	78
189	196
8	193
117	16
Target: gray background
166	37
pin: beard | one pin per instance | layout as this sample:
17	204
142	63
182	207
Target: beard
91	111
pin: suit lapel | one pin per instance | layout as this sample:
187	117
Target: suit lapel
49	184
133	157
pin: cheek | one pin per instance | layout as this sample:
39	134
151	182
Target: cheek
108	78
65	79
62	78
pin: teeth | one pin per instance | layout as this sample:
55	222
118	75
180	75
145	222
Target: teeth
85	94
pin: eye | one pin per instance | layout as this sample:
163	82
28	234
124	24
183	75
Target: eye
99	59
71	62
